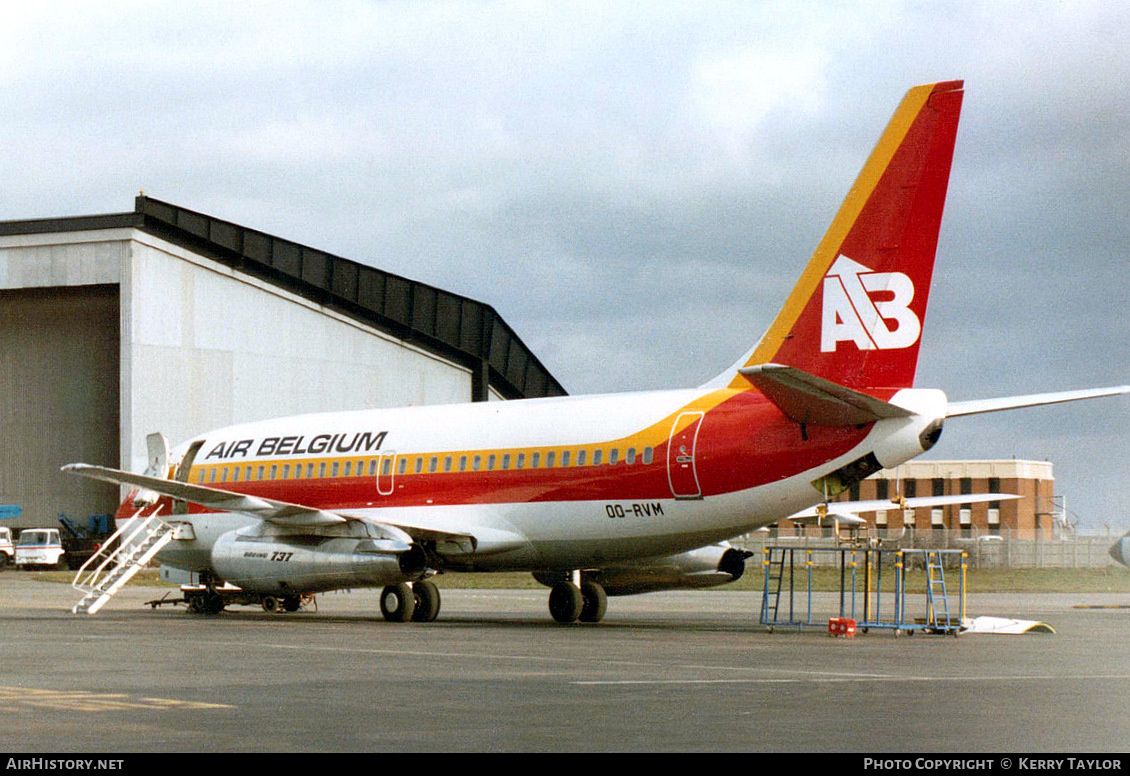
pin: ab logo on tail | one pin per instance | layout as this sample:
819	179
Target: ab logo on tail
852	313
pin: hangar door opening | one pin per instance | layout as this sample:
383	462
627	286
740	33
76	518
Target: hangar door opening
59	399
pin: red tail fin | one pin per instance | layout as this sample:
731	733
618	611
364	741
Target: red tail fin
856	315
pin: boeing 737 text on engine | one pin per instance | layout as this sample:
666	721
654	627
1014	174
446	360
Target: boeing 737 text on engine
601	495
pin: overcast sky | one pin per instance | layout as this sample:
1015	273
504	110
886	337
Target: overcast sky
634	186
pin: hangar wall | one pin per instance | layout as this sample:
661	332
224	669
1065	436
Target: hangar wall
200	346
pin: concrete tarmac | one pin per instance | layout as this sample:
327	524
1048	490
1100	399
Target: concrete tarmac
679	671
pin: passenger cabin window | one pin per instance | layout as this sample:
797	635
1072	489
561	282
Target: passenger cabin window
505	461
596	457
648	455
549	459
521	462
580	458
631	458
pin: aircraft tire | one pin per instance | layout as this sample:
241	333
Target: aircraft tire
213	603
427	601
397	603
595	602
270	604
292	603
565	602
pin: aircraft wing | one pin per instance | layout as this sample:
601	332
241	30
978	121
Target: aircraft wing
806	398
977	406
272	510
848	511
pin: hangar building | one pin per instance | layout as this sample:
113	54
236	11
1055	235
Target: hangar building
164	319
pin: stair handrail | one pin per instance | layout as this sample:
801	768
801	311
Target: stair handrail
136	528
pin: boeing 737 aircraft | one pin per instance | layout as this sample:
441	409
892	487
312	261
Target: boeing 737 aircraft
600	494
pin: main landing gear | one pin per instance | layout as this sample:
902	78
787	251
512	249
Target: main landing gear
569	602
418	602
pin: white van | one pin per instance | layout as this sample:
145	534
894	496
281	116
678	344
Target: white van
40	547
7	551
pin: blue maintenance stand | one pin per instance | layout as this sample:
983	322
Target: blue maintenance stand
788	599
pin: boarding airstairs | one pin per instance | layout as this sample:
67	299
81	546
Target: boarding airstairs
136	543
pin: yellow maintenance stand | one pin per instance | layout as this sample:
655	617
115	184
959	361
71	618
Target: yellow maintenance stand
863	597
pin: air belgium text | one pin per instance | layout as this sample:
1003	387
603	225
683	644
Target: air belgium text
356	442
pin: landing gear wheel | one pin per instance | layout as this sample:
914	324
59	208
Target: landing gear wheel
292	603
205	603
213	603
398	603
270	604
595	602
565	602
427	601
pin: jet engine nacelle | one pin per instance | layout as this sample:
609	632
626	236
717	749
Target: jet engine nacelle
1120	550
716	564
305	564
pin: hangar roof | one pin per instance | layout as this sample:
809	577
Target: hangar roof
466	331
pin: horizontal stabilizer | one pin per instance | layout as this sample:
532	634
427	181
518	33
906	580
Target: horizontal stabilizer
977	406
848	511
806	398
